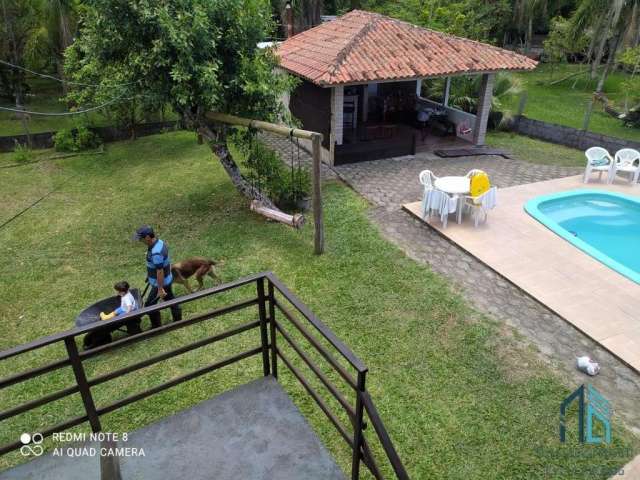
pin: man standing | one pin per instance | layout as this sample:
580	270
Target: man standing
158	273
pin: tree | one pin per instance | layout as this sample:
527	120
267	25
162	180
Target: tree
561	45
306	13
613	24
197	55
482	20
630	60
19	22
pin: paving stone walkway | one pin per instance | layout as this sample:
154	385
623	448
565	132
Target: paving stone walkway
389	183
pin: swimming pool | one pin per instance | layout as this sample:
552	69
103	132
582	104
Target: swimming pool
604	225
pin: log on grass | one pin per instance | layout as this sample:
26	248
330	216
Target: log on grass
295	221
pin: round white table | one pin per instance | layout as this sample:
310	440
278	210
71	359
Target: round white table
455	186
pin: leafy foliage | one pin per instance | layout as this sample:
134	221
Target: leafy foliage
19	24
196	55
476	19
76	140
464	91
562	44
22	153
267	171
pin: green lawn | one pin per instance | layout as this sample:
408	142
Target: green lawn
462	396
536	151
565	105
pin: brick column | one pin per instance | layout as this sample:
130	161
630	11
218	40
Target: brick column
337	106
484	107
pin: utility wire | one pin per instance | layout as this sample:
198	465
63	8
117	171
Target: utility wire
7	222
64	114
51	77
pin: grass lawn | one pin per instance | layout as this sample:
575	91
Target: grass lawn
461	395
565	105
536	151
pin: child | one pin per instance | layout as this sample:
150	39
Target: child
127	302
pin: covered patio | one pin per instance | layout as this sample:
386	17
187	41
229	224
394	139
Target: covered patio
361	86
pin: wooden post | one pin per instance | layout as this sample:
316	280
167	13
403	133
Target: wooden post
317	196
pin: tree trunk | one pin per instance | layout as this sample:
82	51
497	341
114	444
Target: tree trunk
604	32
610	62
65	40
220	148
527	40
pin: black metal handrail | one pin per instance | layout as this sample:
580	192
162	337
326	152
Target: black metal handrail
270	329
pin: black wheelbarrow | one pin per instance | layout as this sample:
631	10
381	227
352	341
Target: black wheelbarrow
102	336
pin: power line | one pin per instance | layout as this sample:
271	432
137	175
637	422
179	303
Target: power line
7	222
63	114
51	77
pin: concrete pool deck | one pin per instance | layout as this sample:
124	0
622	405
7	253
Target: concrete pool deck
592	297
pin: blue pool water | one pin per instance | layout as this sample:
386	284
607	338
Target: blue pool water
602	224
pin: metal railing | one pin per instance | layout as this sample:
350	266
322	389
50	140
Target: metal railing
276	298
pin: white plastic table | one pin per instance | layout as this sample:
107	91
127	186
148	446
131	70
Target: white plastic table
453	185
458	186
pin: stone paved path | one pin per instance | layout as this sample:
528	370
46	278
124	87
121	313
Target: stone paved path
389	183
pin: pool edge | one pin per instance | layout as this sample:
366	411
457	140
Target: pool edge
531	207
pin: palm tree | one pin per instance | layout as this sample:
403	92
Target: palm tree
613	24
524	12
57	25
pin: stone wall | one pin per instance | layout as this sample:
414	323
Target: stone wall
108	134
570	137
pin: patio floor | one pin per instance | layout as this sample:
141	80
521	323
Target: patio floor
253	432
594	298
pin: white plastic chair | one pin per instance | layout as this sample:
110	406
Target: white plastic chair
482	204
598	160
627	161
472	172
427	179
442	204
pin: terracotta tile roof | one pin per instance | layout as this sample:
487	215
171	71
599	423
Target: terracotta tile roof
363	46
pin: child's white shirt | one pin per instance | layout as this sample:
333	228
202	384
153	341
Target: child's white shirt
128	303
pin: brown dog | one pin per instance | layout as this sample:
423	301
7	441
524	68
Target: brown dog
198	266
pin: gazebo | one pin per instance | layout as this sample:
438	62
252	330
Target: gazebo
361	85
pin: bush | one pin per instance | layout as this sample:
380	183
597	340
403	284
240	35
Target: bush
265	169
22	153
86	139
64	141
76	140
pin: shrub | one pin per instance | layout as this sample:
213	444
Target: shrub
86	139
266	170
22	153
63	141
78	139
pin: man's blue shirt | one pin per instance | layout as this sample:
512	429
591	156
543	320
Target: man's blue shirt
158	258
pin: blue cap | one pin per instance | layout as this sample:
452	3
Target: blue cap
143	231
